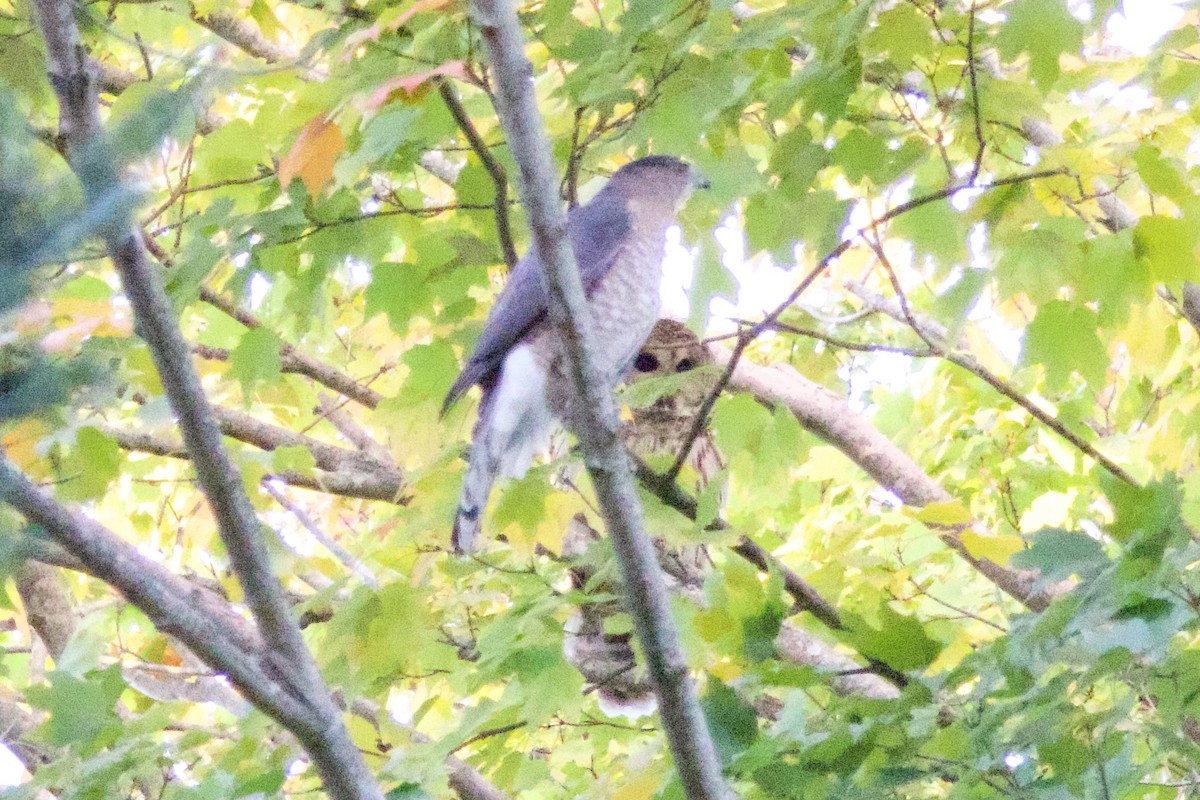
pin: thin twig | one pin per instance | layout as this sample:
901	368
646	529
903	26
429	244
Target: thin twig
352	562
494	168
967	362
978	165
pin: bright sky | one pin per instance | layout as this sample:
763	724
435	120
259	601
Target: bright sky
1136	27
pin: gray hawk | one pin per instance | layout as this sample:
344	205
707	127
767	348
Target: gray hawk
618	238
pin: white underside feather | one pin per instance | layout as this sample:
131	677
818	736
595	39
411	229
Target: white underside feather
520	413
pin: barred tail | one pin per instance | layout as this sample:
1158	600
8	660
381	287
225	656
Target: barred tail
477	485
513	425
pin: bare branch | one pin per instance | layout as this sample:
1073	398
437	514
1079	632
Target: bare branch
495	169
318	725
353	563
981	144
646	596
829	416
363	485
968	363
290	359
328	457
205	623
346	425
241	34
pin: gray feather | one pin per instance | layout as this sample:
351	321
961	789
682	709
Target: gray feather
596	231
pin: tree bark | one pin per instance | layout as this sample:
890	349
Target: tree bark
607	463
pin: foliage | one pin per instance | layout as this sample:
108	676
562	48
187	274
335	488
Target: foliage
320	216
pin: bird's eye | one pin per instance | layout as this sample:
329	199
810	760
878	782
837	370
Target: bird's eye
646	362
685	364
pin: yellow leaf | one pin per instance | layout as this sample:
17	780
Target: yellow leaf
20	444
726	670
951	512
713	623
1050	510
996	549
642	785
312	157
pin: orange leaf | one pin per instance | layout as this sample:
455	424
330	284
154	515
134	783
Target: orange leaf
408	85
312	156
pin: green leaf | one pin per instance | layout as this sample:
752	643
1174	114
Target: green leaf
731	722
398	290
82	710
1059	554
1169	247
95	461
1161	176
1063	339
900	641
1043	29
256	359
903	32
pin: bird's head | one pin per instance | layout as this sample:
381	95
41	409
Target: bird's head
664	180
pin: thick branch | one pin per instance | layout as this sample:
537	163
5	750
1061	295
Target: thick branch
362	485
329	457
320	727
828	416
204	623
899	311
241	34
646	596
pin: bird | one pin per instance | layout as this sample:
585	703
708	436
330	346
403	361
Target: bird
618	238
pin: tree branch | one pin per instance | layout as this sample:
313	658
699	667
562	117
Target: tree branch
362	485
290	359
347	558
828	416
494	168
803	594
646	596
319	726
967	362
771	318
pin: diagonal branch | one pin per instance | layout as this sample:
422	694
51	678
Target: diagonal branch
829	416
319	724
206	625
968	363
691	744
769	320
290	359
804	595
364	485
494	168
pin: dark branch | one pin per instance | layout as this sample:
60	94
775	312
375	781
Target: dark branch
494	168
646	597
309	712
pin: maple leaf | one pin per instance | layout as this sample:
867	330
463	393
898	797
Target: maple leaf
312	157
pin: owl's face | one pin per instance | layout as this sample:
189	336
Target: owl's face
671	349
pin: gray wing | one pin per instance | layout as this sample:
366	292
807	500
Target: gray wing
596	231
